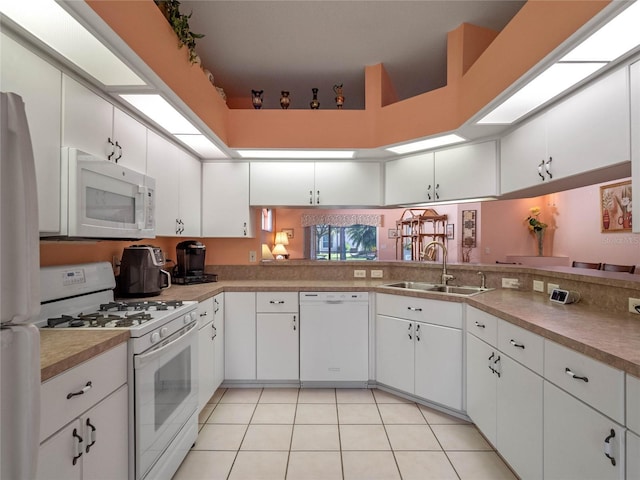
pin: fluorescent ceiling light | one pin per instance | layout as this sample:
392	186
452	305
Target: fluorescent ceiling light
427	144
202	146
161	112
611	41
289	154
51	24
553	81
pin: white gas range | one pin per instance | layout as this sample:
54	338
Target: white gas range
163	359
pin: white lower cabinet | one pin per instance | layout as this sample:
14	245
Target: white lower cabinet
579	442
633	455
206	352
218	341
419	357
482	393
240	336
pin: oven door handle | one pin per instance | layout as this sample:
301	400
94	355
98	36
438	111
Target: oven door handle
182	339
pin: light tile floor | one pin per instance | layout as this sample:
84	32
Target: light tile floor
326	434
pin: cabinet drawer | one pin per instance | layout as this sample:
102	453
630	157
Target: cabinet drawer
268	302
593	382
522	345
483	325
447	314
106	372
205	312
633	403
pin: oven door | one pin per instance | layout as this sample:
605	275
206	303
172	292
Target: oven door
166	394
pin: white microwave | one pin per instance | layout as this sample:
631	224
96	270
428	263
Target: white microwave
104	199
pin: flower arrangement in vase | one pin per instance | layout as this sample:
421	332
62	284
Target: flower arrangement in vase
536	227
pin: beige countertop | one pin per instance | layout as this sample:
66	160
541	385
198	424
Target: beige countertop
611	338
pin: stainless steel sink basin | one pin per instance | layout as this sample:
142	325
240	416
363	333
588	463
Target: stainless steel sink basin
464	290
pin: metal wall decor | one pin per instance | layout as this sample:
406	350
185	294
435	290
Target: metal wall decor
469	228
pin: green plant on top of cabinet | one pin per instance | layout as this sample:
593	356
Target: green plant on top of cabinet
178	187
225	200
322	183
39	84
586	132
93	125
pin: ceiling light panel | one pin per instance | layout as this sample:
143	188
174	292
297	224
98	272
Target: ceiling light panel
52	25
426	144
161	112
204	147
297	154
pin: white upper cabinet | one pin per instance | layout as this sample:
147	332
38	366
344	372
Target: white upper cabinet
39	85
588	131
457	173
178	188
225	200
95	126
307	184
407	179
635	137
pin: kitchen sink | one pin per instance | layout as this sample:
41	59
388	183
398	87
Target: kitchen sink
463	290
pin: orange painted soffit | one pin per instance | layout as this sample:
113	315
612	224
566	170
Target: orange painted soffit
536	30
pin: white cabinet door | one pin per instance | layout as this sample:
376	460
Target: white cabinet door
481	387
240	335
277	349
87	121
395	353
206	352
225	200
438	364
108	457
56	454
409	180
348	183
281	183
39	84
218	341
163	164
520	154
591	129
576	438
131	136
466	172
190	195
633	455
519	418
634	70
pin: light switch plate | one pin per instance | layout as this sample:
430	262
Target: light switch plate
551	287
376	273
510	283
538	286
359	274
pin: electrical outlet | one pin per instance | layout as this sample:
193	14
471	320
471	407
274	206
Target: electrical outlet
359	274
634	305
538	286
376	273
551	287
252	256
115	262
510	283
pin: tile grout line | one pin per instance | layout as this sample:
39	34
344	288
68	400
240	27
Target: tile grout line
439	443
245	432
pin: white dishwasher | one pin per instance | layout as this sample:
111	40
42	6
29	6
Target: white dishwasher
334	337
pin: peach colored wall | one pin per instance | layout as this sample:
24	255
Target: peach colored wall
574	229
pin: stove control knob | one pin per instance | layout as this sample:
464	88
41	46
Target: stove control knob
155	337
163	332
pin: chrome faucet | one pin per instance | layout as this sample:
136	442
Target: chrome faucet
483	283
445	277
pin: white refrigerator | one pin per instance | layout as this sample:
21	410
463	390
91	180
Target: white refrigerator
19	295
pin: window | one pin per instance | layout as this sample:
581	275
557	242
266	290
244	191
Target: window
354	242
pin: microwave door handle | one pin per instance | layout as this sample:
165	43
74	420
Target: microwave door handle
139	361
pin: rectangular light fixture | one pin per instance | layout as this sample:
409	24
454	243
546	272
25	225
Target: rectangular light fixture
202	146
427	144
161	112
297	154
612	40
52	25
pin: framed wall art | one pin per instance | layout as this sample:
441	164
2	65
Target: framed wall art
469	228
450	230
393	233
615	207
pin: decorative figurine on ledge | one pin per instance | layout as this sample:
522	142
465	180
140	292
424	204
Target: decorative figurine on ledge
314	104
256	98
284	99
337	88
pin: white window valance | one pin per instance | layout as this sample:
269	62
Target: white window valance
341	219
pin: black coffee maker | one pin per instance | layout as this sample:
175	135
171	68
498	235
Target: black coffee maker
190	263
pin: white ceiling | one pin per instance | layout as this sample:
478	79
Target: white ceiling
298	45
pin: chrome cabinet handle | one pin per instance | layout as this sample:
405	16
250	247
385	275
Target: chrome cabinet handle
276	302
608	448
318	197
547	167
540	166
417	331
414	309
429	192
479	325
310	197
437	194
573	375
111	148
215	331
119	147
294	323
516	344
410	327
91	434
244	229
82	391
77	447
